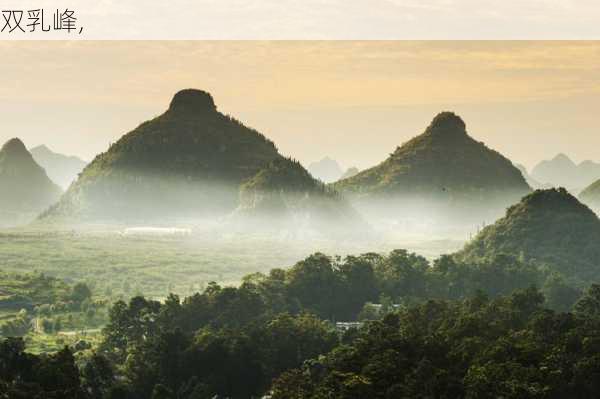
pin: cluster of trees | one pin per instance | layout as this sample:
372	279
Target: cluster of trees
509	347
453	332
336	289
551	226
55	303
19	325
57	376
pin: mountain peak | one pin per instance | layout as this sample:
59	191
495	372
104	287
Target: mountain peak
552	198
192	100
14	146
186	162
24	185
446	123
41	148
562	158
442	169
549	226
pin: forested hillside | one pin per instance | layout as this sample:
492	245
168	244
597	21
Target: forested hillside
189	161
448	329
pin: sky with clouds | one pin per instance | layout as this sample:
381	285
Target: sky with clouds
354	101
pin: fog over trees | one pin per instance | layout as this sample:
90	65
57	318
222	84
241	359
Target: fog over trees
193	260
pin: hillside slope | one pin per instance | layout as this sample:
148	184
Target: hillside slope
591	196
442	168
189	161
283	193
550	226
25	189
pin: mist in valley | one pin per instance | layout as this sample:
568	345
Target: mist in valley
193	258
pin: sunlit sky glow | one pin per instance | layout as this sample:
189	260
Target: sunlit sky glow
352	101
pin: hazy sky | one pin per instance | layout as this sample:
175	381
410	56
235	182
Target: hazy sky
352	101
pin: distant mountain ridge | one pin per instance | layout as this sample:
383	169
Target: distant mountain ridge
62	169
25	188
561	171
529	179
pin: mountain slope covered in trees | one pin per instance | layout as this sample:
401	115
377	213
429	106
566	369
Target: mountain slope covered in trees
442	168
188	161
548	226
283	193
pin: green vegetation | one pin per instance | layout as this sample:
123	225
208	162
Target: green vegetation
49	313
443	167
284	193
188	161
121	266
443	157
549	227
105	314
274	335
510	347
285	174
462	325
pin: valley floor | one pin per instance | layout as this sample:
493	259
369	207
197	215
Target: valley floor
154	265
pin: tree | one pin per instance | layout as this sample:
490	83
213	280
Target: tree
287	341
559	295
97	376
316	285
80	293
589	304
402	274
358	286
58	374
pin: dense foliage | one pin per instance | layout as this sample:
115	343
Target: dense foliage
41	308
548	226
225	344
284	195
510	347
189	160
443	163
446	329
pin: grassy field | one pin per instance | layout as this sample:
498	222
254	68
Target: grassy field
154	266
